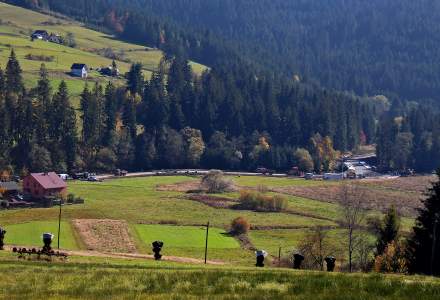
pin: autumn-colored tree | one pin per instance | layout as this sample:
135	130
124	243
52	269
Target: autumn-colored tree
323	153
194	146
392	260
240	226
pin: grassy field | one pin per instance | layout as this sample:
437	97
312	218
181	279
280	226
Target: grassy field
139	202
185	236
30	234
153	213
92	278
17	24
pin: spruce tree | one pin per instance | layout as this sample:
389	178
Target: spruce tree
135	79
42	106
110	107
424	244
14	80
388	231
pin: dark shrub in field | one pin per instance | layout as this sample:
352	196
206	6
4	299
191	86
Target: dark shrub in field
240	226
40	57
261	202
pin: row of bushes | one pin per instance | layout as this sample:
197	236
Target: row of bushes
40	57
262	202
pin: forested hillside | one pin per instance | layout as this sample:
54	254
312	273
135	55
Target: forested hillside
370	47
245	112
227	119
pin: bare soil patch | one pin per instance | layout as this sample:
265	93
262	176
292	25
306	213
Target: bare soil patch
245	242
404	193
105	235
182	187
417	184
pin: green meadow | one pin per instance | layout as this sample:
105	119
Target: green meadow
17	24
186	236
30	234
168	215
99	278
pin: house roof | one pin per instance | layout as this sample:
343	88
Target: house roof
78	66
9	186
40	32
49	180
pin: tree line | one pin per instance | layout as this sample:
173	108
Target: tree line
225	118
409	138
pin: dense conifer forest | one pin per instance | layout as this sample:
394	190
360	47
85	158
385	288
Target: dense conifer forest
270	94
227	119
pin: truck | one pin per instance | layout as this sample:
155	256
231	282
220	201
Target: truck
295	171
119	172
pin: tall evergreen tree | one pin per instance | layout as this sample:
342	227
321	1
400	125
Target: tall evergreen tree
388	231
424	244
14	79
42	107
135	79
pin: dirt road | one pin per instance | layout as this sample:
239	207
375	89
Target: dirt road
85	253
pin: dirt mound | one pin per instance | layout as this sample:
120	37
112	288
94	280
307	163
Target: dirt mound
105	235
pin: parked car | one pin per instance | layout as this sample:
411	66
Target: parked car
64	176
93	179
264	171
309	176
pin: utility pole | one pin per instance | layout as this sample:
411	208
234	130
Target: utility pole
206	243
59	225
279	257
434	242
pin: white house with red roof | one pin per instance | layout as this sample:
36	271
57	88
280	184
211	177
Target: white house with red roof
40	185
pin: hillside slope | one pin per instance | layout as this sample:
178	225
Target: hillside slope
369	47
93	48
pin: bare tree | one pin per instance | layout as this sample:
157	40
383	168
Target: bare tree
216	182
351	199
315	247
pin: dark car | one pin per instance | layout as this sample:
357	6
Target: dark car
264	171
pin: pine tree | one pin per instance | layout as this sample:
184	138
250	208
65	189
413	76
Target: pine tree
110	108
129	115
135	79
42	107
70	138
14	80
24	132
424	244
62	124
388	231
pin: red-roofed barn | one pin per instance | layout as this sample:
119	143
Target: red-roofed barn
40	185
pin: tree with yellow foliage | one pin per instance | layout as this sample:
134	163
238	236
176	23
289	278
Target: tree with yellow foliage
323	153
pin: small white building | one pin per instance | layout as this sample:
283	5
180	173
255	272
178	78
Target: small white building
79	70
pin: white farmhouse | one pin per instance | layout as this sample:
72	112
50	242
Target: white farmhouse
79	70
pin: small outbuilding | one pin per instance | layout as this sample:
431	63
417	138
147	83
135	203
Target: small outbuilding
79	70
9	188
41	185
40	35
